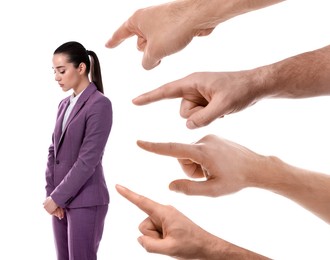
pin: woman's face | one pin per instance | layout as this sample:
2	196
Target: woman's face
67	76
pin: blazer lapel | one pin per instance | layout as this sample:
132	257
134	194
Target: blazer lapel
80	103
58	126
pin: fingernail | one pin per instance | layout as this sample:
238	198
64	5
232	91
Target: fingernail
190	124
173	187
134	99
140	241
119	187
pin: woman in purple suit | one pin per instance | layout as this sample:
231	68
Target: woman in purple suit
76	192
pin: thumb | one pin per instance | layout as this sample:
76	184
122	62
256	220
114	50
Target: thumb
189	187
204	116
148	61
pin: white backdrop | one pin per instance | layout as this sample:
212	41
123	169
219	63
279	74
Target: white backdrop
294	130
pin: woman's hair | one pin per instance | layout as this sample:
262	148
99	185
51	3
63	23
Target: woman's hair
77	54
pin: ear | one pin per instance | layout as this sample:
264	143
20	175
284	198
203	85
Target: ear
82	68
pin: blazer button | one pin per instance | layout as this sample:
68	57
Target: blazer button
57	162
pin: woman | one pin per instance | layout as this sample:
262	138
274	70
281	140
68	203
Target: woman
77	194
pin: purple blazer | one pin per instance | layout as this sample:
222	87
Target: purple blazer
74	173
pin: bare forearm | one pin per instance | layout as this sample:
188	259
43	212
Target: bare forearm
309	189
217	11
301	76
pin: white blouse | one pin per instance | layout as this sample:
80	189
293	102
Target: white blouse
73	101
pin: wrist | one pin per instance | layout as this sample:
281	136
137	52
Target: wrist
204	14
269	175
264	82
209	13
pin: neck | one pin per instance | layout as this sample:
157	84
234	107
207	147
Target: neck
84	84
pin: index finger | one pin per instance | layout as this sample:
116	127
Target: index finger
167	91
121	34
145	204
177	150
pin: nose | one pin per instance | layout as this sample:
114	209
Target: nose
57	77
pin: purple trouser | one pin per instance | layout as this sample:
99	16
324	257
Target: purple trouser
78	234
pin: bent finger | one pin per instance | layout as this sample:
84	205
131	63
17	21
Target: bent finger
148	228
188	108
204	116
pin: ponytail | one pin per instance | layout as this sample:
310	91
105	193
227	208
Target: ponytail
95	71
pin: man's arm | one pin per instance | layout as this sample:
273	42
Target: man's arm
309	189
167	231
207	96
224	167
301	76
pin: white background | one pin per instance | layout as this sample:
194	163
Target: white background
296	131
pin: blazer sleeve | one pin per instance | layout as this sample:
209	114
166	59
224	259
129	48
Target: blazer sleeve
50	171
50	186
98	127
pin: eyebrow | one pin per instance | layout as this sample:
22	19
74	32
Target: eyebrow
58	67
